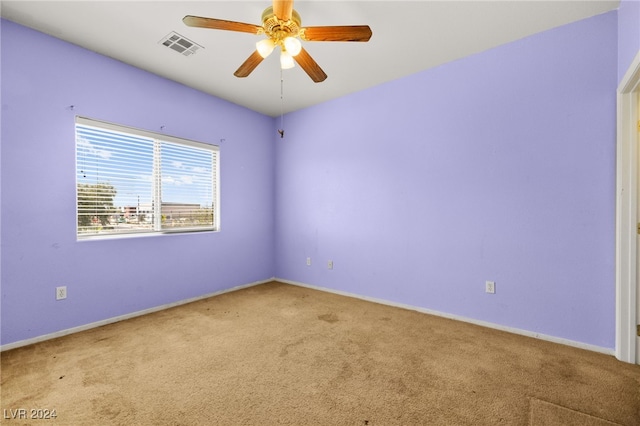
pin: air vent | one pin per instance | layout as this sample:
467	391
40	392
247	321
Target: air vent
180	44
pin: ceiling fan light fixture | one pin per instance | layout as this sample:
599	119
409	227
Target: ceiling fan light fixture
286	60
292	45
265	47
282	27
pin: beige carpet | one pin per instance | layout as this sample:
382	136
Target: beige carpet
546	414
280	354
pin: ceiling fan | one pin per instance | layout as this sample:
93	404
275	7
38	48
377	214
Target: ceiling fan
282	26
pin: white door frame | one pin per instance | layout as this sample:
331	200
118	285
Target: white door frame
626	213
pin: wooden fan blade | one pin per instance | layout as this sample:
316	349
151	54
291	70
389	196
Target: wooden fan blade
220	24
337	33
249	65
282	9
310	66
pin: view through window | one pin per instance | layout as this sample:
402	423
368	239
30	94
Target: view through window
133	181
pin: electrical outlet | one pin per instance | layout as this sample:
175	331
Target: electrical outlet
330	264
308	261
490	287
61	292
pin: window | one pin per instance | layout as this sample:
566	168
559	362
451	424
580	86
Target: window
132	181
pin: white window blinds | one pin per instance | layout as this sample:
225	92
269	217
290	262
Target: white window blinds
187	185
134	181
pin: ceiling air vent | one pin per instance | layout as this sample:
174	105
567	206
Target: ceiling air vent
180	44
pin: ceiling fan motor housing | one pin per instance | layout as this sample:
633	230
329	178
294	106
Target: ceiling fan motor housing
277	29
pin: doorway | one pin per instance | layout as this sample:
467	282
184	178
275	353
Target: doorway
636	94
627	216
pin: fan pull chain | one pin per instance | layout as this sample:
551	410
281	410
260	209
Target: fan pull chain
281	130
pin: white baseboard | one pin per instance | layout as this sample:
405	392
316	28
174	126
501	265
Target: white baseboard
123	317
487	324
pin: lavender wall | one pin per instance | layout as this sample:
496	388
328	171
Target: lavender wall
499	166
41	78
628	34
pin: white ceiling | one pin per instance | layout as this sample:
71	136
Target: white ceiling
408	37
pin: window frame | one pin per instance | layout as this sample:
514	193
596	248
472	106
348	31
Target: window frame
158	138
